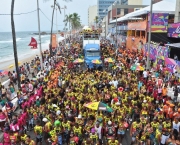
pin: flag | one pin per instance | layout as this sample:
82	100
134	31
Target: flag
54	41
33	43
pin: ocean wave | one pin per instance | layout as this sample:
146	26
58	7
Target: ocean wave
10	41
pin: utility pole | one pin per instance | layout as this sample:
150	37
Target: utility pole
40	49
149	37
56	21
116	27
14	43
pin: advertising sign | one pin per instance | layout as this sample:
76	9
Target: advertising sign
159	22
174	30
137	25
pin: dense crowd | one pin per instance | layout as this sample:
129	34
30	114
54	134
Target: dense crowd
56	101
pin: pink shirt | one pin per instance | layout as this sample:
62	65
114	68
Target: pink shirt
2	116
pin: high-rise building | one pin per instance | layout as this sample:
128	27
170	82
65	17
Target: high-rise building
92	13
102	6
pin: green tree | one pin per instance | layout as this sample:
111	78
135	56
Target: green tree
75	21
68	20
96	20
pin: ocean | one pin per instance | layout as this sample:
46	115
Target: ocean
22	39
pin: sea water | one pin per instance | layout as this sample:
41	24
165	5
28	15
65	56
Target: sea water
22	39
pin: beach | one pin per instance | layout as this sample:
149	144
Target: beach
25	53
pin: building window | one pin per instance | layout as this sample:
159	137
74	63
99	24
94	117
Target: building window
118	11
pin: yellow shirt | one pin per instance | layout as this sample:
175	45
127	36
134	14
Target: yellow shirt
115	143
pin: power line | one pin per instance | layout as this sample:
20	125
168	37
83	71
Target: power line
48	18
21	13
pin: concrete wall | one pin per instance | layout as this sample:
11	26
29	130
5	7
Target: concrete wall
92	13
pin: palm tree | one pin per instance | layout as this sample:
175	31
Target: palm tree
52	27
96	20
75	21
14	42
68	20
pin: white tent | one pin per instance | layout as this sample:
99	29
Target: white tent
160	7
85	27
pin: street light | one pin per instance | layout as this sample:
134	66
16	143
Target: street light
56	17
149	37
116	19
39	29
105	21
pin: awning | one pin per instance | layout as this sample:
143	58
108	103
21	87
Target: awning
176	45
160	7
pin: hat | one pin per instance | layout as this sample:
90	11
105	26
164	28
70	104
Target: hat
79	116
109	122
54	105
115	99
45	120
144	101
58	112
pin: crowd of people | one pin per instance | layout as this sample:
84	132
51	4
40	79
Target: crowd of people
54	101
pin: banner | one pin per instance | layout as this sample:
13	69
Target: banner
153	51
174	30
170	64
157	51
159	22
54	44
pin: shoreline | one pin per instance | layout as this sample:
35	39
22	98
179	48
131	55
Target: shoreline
4	64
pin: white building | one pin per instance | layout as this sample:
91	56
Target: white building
92	13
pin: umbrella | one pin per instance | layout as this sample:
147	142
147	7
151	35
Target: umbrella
98	106
139	68
133	67
110	60
11	66
96	61
4	73
78	60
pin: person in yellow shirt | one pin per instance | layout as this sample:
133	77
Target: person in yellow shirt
38	131
113	142
29	141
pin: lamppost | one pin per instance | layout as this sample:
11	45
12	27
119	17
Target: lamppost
40	48
105	21
56	8
116	20
149	37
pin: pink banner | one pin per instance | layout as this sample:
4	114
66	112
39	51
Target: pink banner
170	64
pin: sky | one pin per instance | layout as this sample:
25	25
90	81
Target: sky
29	22
147	2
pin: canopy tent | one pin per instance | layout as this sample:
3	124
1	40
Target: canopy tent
160	7
176	45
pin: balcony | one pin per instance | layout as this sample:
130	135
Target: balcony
124	27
